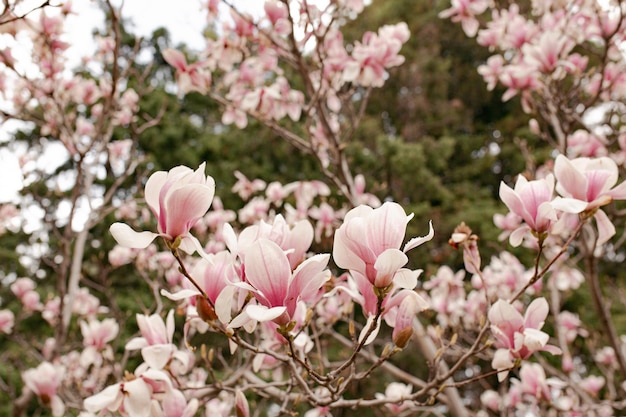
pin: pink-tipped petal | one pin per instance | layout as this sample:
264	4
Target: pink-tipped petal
570	180
175	58
268	270
536	313
185	206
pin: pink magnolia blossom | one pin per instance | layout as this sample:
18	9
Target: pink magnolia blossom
21	286
592	384
376	53
295	240
99	333
517	336
215	277
369	240
178	199
155	341
131	397
465	11
245	187
189	77
397	393
587	184
447	295
7	321
44	381
275	286
532	201
532	382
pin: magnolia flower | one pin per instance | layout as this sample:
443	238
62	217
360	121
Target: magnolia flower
587	184
43	381
369	240
532	201
276	288
178	199
133	396
397	394
155	341
518	337
7	321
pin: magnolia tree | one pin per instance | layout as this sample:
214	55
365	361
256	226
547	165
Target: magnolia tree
245	318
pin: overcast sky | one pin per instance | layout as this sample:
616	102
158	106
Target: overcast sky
183	18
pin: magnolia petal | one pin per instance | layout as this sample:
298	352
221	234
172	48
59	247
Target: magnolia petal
175	58
261	313
406	278
343	254
170	326
536	313
185	205
570	181
387	225
505	316
223	304
502	360
517	236
129	238
137	398
157	375
268	270
109	398
301	237
606	229
180	295
58	406
569	205
535	339
417	241
240	320
552	349
619	192
372	336
386	266
136	343
157	356
153	190
511	199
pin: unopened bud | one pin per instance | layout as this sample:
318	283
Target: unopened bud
402	337
205	309
241	405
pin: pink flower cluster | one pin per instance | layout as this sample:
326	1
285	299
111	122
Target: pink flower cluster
584	186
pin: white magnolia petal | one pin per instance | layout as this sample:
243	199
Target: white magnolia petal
535	339
569	205
417	241
223	304
406	278
262	313
58	406
127	237
372	335
136	343
137	398
606	229
157	356
180	295
110	398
